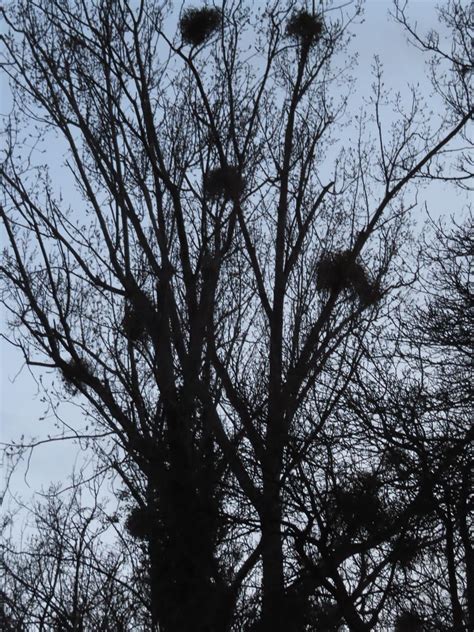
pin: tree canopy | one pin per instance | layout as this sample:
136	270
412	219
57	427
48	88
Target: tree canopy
226	289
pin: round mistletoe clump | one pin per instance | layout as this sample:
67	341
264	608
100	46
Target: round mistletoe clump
338	271
197	25
224	182
133	324
409	621
305	27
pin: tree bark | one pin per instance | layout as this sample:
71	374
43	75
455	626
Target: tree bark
458	624
273	593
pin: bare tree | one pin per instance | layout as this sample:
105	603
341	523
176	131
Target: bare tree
62	575
220	280
440	333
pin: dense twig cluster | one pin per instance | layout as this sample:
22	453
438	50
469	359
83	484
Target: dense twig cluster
139	523
75	372
197	25
224	182
409	622
406	550
359	505
339	271
73	43
133	324
305	28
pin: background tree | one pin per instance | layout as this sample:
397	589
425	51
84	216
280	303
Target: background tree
441	337
62	576
221	290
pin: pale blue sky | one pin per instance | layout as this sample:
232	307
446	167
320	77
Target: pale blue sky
21	406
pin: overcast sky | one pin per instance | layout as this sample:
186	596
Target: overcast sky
21	405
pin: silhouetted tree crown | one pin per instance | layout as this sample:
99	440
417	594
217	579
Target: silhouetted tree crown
216	259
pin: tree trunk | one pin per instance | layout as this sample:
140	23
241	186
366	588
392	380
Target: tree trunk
463	511
273	593
187	592
457	613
